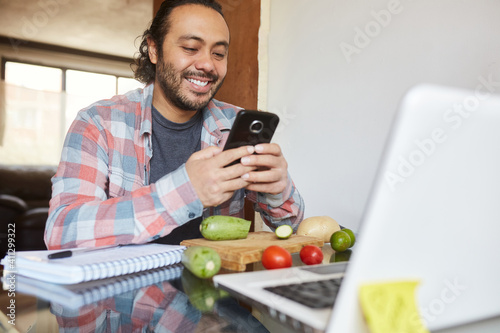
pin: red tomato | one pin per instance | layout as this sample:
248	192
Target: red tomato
275	256
311	255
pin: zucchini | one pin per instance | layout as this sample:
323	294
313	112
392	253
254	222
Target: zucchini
284	231
220	227
202	261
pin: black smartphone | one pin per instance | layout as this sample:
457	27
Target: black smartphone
251	128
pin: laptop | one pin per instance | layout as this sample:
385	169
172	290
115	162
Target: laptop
433	215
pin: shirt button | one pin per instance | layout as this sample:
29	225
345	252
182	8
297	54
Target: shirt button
191	215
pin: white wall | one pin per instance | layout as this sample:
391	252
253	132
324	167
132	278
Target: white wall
336	106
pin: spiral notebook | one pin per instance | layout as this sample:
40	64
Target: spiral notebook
85	265
75	296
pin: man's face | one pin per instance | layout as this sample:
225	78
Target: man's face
193	61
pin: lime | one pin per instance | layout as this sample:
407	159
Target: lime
340	241
284	231
351	235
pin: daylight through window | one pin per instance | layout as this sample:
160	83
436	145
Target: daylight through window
39	103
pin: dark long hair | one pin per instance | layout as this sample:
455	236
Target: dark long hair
144	69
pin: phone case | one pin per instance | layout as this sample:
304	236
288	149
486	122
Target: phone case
251	128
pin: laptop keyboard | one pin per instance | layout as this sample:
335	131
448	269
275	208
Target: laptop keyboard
314	294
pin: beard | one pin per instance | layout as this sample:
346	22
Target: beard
171	81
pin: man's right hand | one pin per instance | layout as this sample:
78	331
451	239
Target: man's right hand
213	182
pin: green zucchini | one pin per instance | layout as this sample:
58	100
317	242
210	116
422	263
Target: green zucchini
202	261
220	227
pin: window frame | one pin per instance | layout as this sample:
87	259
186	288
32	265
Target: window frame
41	54
64	69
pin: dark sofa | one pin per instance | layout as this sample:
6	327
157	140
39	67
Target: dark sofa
25	192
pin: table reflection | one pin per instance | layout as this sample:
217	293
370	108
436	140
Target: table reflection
182	304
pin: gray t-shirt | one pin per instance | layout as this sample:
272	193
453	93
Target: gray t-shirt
173	143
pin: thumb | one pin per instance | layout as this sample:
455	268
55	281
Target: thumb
206	153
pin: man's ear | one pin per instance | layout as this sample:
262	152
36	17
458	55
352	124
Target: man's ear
152	50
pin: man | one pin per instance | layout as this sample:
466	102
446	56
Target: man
148	165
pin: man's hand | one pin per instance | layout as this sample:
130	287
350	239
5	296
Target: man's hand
213	182
271	169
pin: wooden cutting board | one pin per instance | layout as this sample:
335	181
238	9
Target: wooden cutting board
236	254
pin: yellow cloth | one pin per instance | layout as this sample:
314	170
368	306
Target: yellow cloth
391	307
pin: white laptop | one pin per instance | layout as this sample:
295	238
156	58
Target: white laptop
433	215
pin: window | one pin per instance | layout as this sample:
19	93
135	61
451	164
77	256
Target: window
33	77
39	103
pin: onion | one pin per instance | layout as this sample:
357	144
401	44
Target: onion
321	227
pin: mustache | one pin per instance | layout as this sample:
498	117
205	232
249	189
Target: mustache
211	77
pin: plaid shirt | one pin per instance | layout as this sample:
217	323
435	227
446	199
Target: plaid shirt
101	193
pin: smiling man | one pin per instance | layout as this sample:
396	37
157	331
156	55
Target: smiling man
148	165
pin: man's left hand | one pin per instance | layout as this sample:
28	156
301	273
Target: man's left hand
271	175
